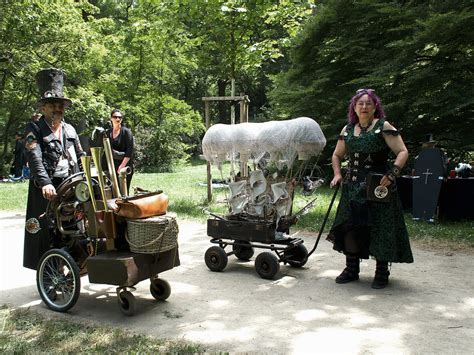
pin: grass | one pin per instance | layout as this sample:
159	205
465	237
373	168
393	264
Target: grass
25	331
188	198
13	196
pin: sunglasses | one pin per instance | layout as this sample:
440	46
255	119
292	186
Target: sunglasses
365	90
117	117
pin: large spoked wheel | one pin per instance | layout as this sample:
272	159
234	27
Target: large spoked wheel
297	256
243	252
160	289
216	258
127	303
58	280
267	265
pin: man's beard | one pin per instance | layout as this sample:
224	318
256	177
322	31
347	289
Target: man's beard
57	116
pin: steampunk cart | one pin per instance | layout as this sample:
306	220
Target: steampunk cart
244	236
83	233
244	233
260	204
261	221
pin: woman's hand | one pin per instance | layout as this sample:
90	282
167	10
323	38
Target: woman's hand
48	191
121	166
385	181
336	180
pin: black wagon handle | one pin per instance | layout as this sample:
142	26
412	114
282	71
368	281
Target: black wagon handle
325	220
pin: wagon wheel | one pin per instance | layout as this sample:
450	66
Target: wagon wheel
58	280
126	302
267	265
243	252
296	256
216	258
160	289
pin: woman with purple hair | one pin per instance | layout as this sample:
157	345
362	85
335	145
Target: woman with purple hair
364	228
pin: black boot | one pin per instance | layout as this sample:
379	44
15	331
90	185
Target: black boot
351	272
381	275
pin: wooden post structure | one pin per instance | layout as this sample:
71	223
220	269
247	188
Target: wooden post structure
209	175
244	117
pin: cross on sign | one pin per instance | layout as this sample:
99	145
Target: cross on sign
427	173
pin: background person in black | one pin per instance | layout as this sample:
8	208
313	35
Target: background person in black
18	158
52	150
121	140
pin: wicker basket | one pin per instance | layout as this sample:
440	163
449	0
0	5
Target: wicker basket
152	235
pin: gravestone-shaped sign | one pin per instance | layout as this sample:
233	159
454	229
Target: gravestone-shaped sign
430	170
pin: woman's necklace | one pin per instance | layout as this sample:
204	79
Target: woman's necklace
363	129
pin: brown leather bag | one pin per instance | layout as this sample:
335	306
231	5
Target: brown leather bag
142	206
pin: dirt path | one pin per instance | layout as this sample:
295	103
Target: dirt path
427	308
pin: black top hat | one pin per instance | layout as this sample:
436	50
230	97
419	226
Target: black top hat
50	84
429	139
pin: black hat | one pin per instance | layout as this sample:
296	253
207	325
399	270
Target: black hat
429	139
50	84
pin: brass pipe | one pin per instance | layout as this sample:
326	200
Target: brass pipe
96	153
123	179
86	166
110	164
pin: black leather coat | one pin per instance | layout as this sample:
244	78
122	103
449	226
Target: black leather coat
43	152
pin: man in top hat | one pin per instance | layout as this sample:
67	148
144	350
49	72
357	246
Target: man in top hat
52	150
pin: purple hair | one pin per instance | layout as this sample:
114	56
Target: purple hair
379	112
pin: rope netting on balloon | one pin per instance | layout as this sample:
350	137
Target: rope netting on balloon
278	153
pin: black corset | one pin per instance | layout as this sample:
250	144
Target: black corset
360	164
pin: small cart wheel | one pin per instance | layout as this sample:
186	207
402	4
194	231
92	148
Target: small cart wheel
216	258
127	302
160	289
296	256
267	265
58	280
243	252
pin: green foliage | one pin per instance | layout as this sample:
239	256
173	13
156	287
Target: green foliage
148	57
89	110
416	55
243	40
35	35
170	138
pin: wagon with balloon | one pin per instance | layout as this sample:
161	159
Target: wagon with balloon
270	157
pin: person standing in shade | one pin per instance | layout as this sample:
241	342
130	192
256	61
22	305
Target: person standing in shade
18	158
52	150
121	141
363	228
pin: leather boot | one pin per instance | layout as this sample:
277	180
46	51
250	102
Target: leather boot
351	272
381	275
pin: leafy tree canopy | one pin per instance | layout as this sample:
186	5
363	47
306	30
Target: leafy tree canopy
156	59
418	56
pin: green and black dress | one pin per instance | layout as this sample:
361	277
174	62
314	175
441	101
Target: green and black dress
378	229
